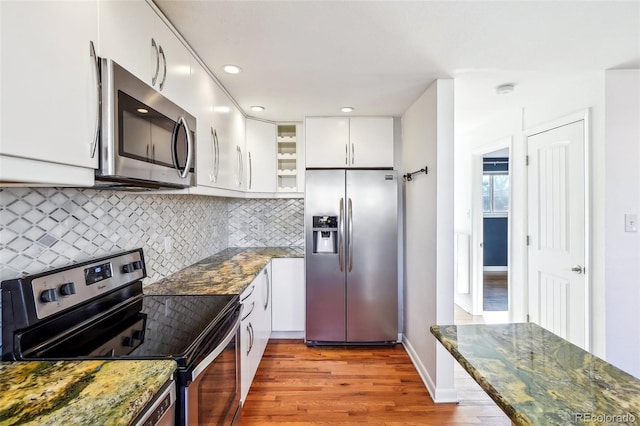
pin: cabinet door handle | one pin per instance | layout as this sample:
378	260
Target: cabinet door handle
266	302
96	67
217	148
164	68
250	332
353	153
244	317
155	75
249	294
250	170
346	154
214	145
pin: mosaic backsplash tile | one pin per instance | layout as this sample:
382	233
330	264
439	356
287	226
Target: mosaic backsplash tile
45	228
266	222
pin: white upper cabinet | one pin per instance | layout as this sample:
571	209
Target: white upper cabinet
261	156
358	142
134	36
327	142
49	93
371	142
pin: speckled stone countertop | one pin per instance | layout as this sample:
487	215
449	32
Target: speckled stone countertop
538	378
79	392
227	272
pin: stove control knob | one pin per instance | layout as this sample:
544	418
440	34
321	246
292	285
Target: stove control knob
49	295
67	289
133	266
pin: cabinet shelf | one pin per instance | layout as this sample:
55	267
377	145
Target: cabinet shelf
287	156
287	172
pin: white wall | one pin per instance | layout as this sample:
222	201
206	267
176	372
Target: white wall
536	100
622	186
427	134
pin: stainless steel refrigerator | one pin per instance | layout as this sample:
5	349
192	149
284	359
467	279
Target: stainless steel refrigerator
351	256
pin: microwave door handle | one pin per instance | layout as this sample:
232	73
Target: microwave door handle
182	122
96	66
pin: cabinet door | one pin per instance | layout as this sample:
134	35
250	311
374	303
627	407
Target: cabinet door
207	146
49	83
133	35
371	142
261	156
247	339
327	142
288	295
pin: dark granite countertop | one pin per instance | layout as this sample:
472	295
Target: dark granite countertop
227	272
538	378
79	392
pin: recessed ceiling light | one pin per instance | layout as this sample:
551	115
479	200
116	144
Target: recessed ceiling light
257	108
505	89
346	109
142	110
232	69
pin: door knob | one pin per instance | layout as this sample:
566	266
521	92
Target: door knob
577	269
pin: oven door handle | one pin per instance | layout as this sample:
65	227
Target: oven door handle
217	351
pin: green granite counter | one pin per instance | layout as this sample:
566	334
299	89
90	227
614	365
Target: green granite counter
227	272
538	378
79	392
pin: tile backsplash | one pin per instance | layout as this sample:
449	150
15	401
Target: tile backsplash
45	228
266	222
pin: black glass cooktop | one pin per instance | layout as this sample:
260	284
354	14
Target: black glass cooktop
148	327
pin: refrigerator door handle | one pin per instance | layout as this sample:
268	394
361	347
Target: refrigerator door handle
350	237
341	236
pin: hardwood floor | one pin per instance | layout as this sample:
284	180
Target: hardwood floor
495	296
298	385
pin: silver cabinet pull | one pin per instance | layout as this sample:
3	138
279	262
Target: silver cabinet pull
266	302
577	269
239	166
346	154
245	316
96	67
182	122
214	144
350	242
251	289
250	170
217	160
164	67
155	75
250	332
353	153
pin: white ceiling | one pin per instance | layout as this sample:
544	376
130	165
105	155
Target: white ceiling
304	58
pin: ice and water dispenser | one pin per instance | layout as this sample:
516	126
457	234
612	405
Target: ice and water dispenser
325	234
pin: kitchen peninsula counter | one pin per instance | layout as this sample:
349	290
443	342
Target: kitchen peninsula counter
79	392
227	272
538	378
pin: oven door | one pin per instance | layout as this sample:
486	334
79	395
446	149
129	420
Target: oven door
211	389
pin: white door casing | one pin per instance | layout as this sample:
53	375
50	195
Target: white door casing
557	279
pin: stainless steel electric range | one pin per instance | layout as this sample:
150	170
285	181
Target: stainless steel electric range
97	310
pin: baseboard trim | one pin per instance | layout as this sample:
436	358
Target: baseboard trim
439	396
287	335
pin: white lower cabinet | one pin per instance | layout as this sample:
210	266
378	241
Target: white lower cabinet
255	327
288	297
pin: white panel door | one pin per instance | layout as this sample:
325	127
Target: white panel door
558	292
371	142
327	142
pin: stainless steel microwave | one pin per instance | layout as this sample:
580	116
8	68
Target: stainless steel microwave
146	140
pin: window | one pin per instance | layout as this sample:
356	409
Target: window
495	193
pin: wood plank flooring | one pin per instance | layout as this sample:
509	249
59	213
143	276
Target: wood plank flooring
495	291
299	385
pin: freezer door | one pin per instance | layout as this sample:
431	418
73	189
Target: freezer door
372	256
325	282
